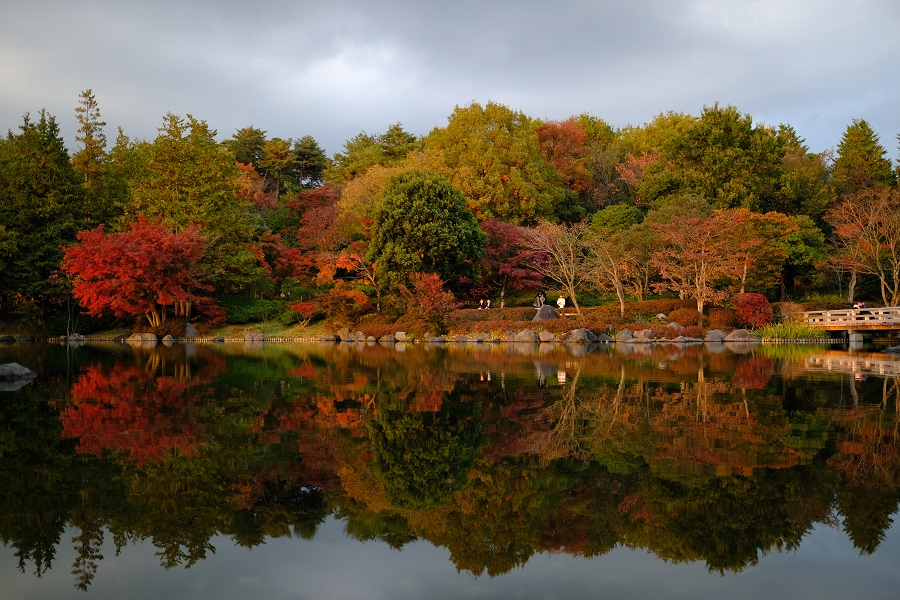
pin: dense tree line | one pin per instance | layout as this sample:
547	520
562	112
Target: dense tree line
492	202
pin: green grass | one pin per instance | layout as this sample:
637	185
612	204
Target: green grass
791	331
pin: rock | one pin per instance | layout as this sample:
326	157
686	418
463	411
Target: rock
892	350
579	336
16	372
715	335
168	340
643	335
400	336
741	335
624	335
546	336
190	331
604	339
254	337
662	318
673	325
387	339
459	339
219	339
439	339
329	337
142	338
75	338
527	336
545	313
343	334
359	337
371	339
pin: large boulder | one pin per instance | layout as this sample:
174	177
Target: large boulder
741	335
545	313
546	336
642	335
527	336
715	335
142	338
624	335
579	336
252	336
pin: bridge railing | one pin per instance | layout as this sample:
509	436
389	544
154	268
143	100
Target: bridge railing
849	317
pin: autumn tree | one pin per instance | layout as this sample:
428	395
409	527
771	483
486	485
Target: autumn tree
563	144
492	155
692	255
756	244
423	226
507	264
558	253
142	271
621	247
867	227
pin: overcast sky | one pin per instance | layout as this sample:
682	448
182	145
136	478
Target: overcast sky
334	68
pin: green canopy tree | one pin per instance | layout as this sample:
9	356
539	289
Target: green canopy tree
366	150
247	145
310	161
41	207
186	177
861	162
493	156
723	157
423	225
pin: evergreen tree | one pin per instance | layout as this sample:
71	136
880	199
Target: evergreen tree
89	161
186	177
861	161
41	209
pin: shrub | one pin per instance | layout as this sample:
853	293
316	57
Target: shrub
685	316
428	300
723	319
752	310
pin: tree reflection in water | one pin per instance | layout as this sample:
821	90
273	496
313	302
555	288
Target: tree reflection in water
494	452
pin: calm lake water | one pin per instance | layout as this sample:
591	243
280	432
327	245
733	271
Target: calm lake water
293	471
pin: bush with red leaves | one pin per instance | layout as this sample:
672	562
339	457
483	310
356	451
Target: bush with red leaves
752	310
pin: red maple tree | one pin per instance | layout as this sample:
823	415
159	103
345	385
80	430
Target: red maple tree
141	271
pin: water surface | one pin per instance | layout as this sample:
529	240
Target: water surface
410	471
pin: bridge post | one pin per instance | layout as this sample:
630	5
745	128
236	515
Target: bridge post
855	337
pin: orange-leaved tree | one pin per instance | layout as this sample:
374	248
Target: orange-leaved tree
141	271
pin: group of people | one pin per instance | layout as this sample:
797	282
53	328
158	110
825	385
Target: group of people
541	299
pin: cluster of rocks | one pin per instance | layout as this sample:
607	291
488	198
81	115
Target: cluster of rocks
530	336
